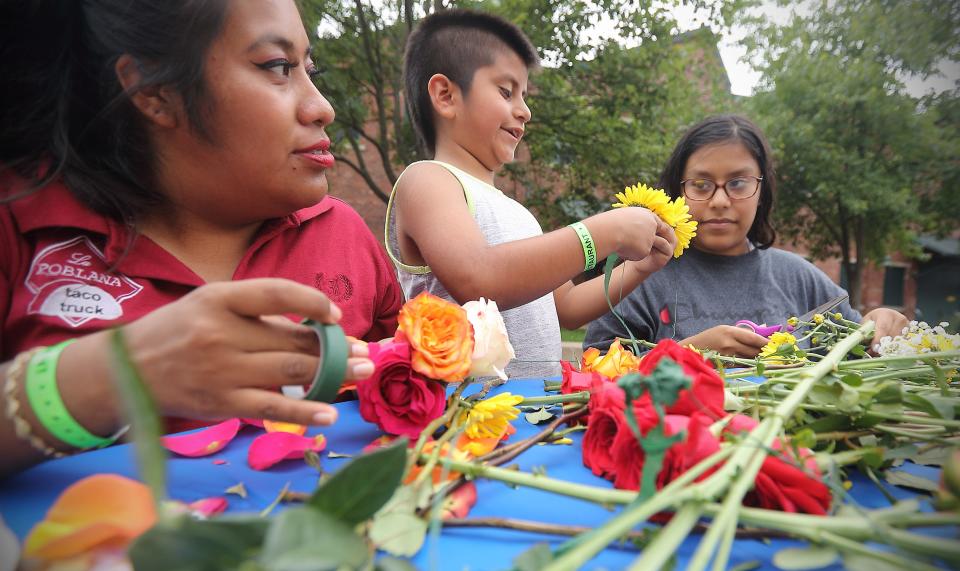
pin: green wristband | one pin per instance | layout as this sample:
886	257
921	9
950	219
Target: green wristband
44	397
589	248
333	364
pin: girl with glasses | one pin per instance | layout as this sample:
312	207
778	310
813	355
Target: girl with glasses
724	169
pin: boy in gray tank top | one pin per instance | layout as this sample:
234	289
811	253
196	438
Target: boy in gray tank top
451	232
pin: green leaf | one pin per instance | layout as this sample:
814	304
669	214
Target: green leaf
854	562
394	564
305	539
793	558
142	414
356	491
396	528
539	415
400	534
238	489
852	379
761	367
805	438
188	544
907	480
747	566
533	559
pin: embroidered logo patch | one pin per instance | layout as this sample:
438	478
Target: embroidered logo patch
71	280
338	288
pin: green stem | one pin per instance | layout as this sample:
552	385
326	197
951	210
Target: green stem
844	544
579	397
676	531
872	363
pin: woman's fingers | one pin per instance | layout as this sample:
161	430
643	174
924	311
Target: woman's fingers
255	403
272	296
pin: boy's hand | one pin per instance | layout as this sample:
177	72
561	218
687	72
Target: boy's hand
662	252
633	230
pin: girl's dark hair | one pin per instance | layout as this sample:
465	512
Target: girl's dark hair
455	43
728	129
63	112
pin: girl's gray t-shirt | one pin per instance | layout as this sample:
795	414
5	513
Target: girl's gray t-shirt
699	290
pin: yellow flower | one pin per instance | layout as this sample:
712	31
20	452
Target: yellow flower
618	361
676	213
685	232
489	418
793	321
778	340
818	318
838	316
642	195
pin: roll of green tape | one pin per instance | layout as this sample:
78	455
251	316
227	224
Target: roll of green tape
333	364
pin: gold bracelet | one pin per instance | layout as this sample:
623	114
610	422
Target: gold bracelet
15	373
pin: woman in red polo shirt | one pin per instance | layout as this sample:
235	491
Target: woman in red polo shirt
163	166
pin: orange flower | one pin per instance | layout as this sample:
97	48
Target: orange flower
438	470
617	362
103	510
440	336
483	445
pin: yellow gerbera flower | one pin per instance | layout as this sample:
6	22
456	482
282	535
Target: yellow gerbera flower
489	418
642	195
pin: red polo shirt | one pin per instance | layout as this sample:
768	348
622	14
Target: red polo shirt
66	271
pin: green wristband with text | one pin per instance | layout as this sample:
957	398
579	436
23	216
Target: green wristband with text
44	397
589	248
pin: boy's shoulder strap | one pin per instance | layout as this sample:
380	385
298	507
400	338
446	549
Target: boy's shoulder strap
464	178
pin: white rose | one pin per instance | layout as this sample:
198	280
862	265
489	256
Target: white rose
491	345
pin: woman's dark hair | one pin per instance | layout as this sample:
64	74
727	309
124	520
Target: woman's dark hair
455	43
728	129
63	112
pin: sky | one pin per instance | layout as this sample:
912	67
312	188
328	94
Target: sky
744	79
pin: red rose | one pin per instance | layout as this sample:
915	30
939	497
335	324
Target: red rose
706	393
606	421
784	482
629	458
396	398
573	381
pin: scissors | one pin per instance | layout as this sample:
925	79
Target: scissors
768	330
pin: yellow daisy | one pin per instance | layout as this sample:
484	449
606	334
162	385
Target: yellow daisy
777	340
640	194
489	417
685	232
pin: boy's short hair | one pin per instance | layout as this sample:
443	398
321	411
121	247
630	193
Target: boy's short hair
454	43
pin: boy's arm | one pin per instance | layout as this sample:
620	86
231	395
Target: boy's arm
432	217
580	304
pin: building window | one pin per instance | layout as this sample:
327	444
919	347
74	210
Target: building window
893	279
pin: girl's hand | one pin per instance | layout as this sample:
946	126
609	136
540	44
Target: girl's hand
634	231
887	322
728	340
216	353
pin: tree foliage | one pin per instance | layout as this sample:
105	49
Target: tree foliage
604	115
863	166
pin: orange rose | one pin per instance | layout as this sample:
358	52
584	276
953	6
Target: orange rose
440	336
617	362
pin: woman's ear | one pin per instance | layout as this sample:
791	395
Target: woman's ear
159	104
444	95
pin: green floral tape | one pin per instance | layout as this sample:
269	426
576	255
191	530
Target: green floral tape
333	364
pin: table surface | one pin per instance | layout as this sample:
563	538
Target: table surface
25	498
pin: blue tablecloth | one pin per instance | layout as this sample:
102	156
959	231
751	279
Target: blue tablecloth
25	498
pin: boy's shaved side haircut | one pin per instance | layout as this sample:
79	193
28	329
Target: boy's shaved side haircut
455	43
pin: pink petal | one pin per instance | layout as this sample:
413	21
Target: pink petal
209	506
272	447
460	502
219	462
203	442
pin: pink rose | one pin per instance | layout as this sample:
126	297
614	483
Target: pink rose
396	398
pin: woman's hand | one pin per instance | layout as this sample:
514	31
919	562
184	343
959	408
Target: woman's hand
887	322
728	340
217	352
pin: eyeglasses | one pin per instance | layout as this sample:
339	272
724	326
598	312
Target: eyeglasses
739	188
